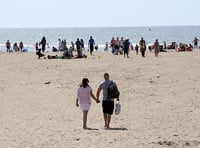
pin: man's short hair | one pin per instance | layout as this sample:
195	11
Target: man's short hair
106	75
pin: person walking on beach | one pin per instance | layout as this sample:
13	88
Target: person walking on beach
43	43
91	44
156	48
106	47
8	46
195	41
107	103
136	49
78	47
126	47
112	43
59	45
82	45
83	99
121	43
117	45
142	47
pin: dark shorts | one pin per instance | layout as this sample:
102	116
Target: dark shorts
108	107
91	48
116	47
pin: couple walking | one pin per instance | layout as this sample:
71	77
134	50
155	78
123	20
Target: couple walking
84	102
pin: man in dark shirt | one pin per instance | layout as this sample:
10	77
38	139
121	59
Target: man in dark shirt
91	44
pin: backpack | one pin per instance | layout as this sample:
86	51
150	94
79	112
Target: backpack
113	91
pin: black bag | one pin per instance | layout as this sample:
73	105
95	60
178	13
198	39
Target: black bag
113	91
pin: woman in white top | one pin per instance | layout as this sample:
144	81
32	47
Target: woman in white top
83	99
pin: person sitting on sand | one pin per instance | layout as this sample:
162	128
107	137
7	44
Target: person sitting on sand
65	55
38	51
68	54
55	57
83	100
54	49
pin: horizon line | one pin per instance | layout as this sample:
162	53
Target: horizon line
99	26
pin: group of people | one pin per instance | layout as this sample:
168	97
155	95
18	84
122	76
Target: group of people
62	47
83	100
78	46
120	46
15	48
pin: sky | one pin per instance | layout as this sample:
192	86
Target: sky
98	13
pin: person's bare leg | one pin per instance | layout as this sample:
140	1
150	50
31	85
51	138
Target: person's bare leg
108	121
85	112
105	119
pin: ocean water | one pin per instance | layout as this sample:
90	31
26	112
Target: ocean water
29	36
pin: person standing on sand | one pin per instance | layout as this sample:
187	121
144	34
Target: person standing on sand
142	47
156	48
8	46
117	45
59	45
82	45
106	47
136	49
126	47
43	43
112	43
107	103
83	99
121	43
195	41
78	48
91	44
21	46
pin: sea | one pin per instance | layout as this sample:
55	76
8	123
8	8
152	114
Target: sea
101	35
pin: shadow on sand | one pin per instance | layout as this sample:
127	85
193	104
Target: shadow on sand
117	128
94	129
113	128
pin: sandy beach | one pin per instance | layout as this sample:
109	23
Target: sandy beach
159	99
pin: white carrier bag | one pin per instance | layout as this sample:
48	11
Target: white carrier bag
117	108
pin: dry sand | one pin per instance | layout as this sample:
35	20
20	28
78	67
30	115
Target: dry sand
160	100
